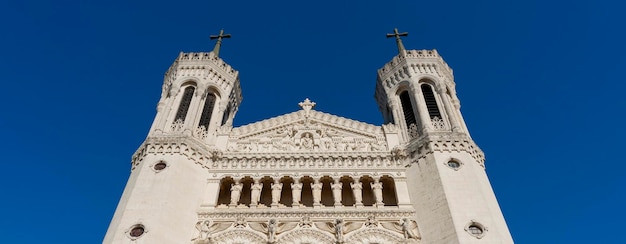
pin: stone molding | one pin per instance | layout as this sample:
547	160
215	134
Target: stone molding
321	214
445	142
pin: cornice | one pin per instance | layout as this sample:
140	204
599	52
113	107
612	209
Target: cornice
444	142
297	213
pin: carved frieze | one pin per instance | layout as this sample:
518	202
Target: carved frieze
307	131
337	227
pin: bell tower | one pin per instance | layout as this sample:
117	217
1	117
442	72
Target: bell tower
199	99
446	176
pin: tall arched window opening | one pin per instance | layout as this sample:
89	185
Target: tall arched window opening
327	193
285	194
407	108
306	198
246	192
224	194
389	191
368	193
431	102
207	111
184	104
266	192
347	196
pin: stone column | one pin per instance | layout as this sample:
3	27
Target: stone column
422	110
235	193
357	189
316	188
454	122
276	189
336	187
377	187
255	193
296	190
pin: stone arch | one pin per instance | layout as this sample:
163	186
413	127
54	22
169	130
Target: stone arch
225	186
238	236
266	192
306	196
390	197
374	235
303	236
347	195
327	193
246	192
368	193
285	193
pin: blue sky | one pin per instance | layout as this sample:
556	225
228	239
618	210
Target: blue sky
540	83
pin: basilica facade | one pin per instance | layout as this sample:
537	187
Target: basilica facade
308	176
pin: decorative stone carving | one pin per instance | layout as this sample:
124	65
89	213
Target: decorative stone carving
235	193
316	187
307	130
178	125
200	132
371	222
276	189
413	131
296	190
438	124
377	187
336	189
357	190
255	195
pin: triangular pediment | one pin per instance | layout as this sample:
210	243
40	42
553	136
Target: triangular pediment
307	130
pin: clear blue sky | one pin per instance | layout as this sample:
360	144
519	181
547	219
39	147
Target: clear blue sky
540	82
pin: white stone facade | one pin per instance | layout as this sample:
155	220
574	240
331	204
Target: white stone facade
308	176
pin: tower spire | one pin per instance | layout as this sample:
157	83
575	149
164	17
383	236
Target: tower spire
218	44
398	40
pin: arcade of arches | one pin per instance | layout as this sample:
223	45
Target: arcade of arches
307	191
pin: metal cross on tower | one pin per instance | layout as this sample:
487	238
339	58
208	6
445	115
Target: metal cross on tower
398	40
218	44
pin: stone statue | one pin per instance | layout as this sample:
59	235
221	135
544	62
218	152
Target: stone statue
339	230
235	193
255	195
409	229
204	230
336	187
357	189
296	190
271	230
276	188
377	187
317	192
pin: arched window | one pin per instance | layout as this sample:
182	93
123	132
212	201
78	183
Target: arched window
184	104
389	191
285	194
207	111
368	193
407	108
431	102
347	195
224	194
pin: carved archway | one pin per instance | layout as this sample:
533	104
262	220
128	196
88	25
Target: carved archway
303	236
239	236
369	236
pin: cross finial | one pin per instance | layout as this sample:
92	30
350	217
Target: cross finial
218	44
398	40
307	105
